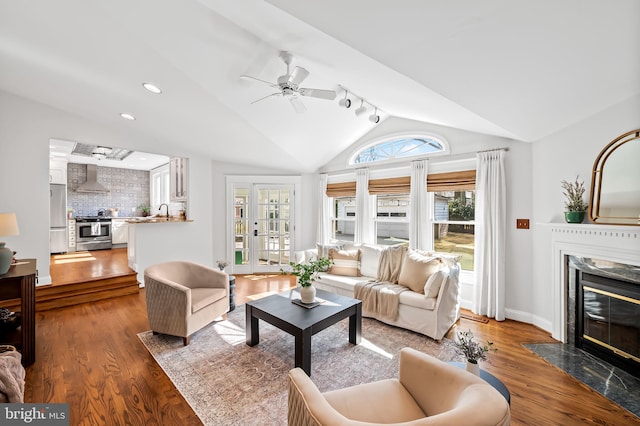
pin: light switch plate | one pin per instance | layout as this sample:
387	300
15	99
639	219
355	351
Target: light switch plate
522	223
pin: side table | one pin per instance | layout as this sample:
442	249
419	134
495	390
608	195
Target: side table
20	283
232	293
491	379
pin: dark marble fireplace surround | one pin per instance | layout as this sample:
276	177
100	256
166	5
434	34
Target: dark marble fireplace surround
603	314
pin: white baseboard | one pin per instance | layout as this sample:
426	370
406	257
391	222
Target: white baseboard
529	318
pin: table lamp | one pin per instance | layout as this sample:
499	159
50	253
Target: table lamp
8	227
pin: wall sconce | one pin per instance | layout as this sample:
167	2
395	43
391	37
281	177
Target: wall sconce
8	227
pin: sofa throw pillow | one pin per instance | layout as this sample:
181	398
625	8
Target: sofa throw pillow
449	259
323	249
345	262
435	281
370	259
416	270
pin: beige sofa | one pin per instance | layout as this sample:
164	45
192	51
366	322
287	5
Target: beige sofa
427	392
431	313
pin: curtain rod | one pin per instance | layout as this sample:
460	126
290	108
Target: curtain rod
494	149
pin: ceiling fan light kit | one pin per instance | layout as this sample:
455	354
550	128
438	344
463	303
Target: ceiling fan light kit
288	86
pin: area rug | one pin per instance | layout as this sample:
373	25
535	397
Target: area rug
227	382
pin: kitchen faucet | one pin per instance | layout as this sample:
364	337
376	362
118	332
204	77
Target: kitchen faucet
164	204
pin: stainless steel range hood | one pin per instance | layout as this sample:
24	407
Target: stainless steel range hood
91	184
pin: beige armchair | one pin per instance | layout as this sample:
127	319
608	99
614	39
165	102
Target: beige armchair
182	297
428	392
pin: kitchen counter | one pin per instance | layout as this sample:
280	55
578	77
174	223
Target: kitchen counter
137	220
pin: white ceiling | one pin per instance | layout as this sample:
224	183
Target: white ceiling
512	68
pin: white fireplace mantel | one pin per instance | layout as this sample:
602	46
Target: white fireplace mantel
607	242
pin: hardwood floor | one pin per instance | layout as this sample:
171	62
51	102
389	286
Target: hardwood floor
89	356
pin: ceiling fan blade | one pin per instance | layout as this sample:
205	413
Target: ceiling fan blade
318	93
298	75
268	96
297	105
248	77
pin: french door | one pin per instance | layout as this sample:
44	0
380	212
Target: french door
263	216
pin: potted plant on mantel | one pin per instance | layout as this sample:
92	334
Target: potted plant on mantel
472	350
307	274
575	205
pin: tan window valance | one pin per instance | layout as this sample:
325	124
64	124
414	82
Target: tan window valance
396	185
452	181
341	189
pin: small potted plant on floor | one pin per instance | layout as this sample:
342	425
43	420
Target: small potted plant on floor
574	204
472	350
307	273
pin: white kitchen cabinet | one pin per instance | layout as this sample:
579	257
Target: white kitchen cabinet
119	231
58	172
178	179
72	235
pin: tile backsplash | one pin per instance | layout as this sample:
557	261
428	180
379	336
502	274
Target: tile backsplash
128	189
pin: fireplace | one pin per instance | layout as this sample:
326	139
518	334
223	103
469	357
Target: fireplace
607	311
605	295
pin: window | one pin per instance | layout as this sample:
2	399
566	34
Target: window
159	178
392	219
344	218
453	224
398	147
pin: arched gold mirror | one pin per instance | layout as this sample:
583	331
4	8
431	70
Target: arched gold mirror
615	182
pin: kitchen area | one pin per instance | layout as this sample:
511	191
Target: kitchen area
98	193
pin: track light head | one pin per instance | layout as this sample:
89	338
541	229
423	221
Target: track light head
374	118
361	110
345	102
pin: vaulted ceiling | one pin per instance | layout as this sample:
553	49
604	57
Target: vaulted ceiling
513	68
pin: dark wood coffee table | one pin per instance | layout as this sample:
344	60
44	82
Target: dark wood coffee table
301	322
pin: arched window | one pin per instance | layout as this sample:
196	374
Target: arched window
397	148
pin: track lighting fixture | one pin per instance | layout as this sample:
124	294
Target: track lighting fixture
345	102
375	118
361	109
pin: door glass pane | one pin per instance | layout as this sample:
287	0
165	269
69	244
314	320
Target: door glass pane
241	228
273	222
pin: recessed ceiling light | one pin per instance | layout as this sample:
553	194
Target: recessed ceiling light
152	88
127	116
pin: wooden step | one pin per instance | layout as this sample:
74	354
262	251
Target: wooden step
58	296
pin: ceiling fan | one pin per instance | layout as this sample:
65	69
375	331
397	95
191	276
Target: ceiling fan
288	86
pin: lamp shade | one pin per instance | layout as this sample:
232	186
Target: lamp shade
8	225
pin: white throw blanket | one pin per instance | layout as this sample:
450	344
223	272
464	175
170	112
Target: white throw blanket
379	298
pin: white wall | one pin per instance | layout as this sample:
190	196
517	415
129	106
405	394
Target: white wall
464	145
562	156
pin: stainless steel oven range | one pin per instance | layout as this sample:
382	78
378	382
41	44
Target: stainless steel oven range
93	233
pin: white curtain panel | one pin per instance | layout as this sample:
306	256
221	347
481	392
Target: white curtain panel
490	227
324	221
364	217
419	225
